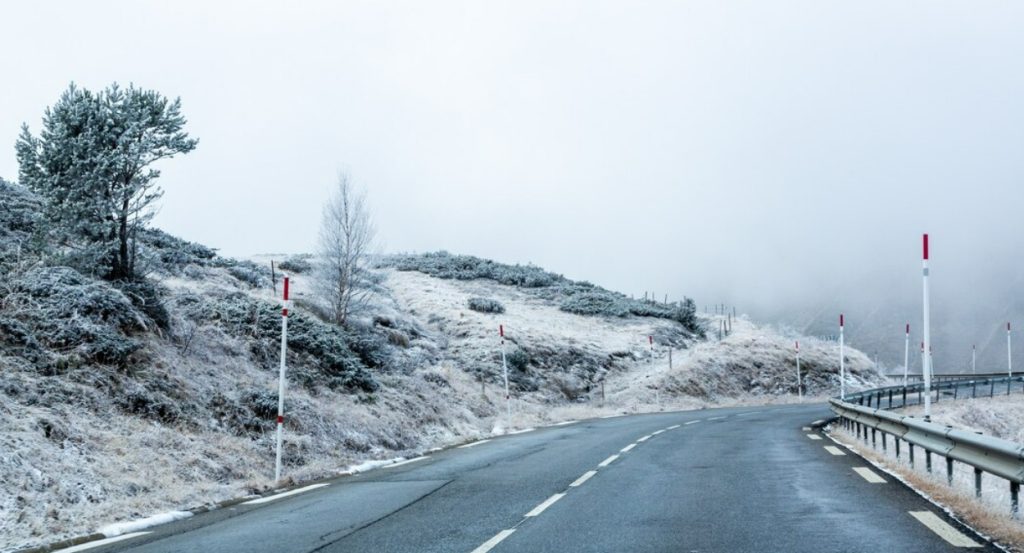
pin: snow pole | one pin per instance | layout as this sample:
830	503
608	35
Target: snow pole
926	368
842	361
1009	356
280	382
504	370
906	357
974	359
799	383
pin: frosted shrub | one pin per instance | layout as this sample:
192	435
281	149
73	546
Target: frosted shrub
485	305
297	264
467	267
171	254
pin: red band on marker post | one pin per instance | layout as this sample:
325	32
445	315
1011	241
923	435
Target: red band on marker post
908	328
284	312
840	319
280	419
798	345
501	330
285	288
650	340
926	247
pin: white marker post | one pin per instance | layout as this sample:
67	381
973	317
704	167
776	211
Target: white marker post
1009	360
280	382
842	361
799	382
926	368
504	370
974	359
906	357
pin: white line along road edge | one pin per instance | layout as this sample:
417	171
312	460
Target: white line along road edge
586	476
608	461
101	543
407	461
944	530
270	498
474	444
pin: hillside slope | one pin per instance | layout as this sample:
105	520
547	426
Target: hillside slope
121	400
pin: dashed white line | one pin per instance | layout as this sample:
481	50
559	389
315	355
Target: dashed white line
586	476
691	422
656	432
814	436
407	461
806	429
489	544
869	475
608	461
270	498
673	427
953	536
100	543
644	439
834	450
716	418
627	448
819	421
547	503
474	444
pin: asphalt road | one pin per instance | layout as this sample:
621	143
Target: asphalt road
742	479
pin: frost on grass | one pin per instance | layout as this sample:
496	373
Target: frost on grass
485	305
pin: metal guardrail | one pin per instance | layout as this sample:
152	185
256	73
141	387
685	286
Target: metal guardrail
954	387
995	456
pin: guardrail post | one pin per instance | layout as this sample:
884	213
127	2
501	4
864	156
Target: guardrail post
873	441
956	388
861	400
890	399
977	483
928	460
910	450
1014	499
992	387
919	396
884	448
904	396
974	388
949	470
897	440
869	400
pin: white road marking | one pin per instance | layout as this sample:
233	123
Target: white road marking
610	416
644	439
819	421
547	503
608	461
716	418
814	436
523	431
869	475
692	422
586	476
627	448
563	423
407	461
806	429
100	543
474	444
673	427
747	413
944	530
489	544
270	498
656	432
834	450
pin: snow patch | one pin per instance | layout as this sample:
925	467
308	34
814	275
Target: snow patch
120	528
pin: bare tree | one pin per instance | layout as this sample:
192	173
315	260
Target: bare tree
346	240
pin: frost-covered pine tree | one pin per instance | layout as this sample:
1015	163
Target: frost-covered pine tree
93	163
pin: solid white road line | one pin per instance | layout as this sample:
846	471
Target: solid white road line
586	476
563	423
268	499
611	416
644	439
608	461
406	462
474	444
834	450
627	448
101	543
955	537
656	432
489	544
814	436
692	422
547	503
869	475
716	418
523	431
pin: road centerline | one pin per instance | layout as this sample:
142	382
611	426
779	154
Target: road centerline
547	503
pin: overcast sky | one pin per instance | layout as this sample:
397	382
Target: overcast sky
751	152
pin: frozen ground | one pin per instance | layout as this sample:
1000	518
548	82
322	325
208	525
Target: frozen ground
72	460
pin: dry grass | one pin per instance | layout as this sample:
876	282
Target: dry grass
989	515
